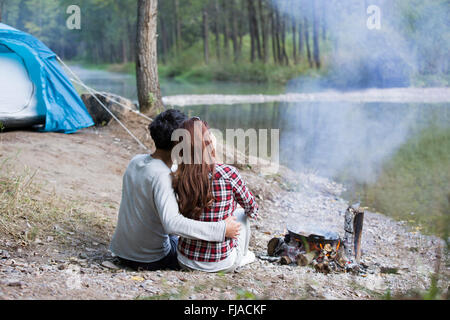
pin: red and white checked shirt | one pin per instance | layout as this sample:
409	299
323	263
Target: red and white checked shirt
228	190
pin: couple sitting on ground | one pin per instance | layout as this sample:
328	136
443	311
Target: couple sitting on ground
195	200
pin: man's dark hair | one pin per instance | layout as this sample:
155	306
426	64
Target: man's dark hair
164	125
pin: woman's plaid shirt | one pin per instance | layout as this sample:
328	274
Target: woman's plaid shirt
228	190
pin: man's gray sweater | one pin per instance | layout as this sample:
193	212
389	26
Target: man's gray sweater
149	213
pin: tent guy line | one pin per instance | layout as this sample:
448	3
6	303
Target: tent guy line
92	91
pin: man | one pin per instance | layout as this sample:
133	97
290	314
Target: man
149	215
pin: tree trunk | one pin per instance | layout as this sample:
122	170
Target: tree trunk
226	27
283	42
235	31
149	92
308	49
324	20
131	29
264	32
300	41
294	41
254	31
205	36
22	15
164	42
216	28
124	51
1	9
316	36
277	38
241	24
273	36
177	25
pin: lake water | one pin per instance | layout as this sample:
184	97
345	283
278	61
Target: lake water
326	137
125	85
351	140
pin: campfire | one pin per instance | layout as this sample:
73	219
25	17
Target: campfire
324	250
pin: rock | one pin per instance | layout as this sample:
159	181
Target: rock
99	114
109	265
19	284
82	256
4	254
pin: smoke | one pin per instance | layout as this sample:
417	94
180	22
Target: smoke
346	139
373	43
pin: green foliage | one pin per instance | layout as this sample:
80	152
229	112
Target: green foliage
245	295
106	27
424	24
387	295
188	66
108	36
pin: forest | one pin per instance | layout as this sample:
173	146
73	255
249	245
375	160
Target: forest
244	40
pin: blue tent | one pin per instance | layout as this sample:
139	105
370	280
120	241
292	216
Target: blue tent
34	88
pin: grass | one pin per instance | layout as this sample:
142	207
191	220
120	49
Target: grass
434	292
431	80
28	213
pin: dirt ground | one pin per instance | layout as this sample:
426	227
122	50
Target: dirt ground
85	169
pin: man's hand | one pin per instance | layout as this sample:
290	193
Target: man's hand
232	227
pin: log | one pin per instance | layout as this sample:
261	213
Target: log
273	245
304	259
119	106
340	260
285	260
348	235
322	267
357	227
353	224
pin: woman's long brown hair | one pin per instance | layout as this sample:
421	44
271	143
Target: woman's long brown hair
192	182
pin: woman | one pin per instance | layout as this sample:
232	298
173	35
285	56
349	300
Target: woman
208	191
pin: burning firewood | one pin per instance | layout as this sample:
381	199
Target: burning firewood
304	259
274	246
285	260
322	250
322	267
328	248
